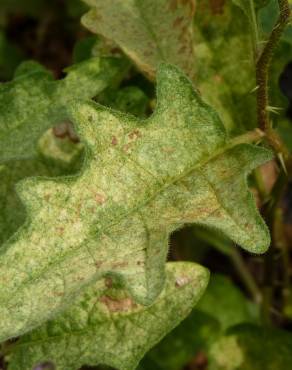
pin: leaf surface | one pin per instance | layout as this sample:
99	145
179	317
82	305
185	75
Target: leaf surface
148	31
141	180
33	101
107	327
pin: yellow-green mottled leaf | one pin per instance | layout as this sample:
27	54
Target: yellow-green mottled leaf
148	31
33	101
107	328
141	180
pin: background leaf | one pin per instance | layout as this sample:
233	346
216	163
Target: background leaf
247	347
148	31
33	101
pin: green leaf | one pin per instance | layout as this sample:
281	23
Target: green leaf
33	101
106	327
141	180
148	31
248	347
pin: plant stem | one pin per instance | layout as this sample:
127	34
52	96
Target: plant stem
270	214
264	123
245	275
262	77
229	249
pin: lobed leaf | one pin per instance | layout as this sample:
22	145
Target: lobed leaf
33	101
148	31
107	327
141	180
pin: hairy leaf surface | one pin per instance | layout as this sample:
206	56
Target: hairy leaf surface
148	31
107	327
141	180
33	101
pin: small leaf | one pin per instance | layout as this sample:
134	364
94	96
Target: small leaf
148	31
103	328
248	347
33	101
141	180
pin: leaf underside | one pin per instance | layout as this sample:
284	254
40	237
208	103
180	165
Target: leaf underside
141	180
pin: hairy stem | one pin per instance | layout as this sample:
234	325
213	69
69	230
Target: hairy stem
262	77
264	123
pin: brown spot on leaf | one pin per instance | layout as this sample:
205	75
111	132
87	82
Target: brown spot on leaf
178	22
218	78
108	282
217	6
126	148
114	140
98	264
118	305
168	150
58	294
173	5
60	230
183	49
120	265
47	197
100	198
135	135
